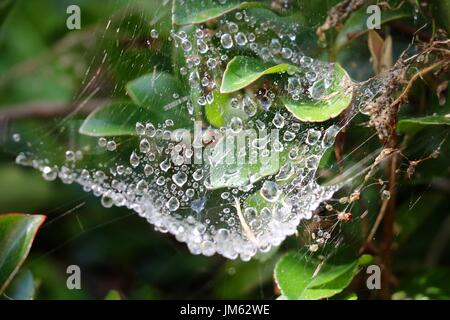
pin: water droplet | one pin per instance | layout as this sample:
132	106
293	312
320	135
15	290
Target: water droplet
312	162
134	159
278	120
70	155
288	136
236	124
165	165
198	175
202	46
111	145
144	146
154	34
16	137
311	76
140	129
50	173
198	205
211	63
286	171
318	90
286	53
186	45
269	191
329	136
173	204
142	186
222	235
148	170
233	27
226	40
275	46
241	39
107	201
179	178
313	136
102	142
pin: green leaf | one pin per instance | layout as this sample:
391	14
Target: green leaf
115	119
194	11
226	171
161	97
248	277
356	25
335	100
154	91
441	11
365	260
22	287
219	112
345	296
153	97
17	232
302	276
113	295
242	71
414	125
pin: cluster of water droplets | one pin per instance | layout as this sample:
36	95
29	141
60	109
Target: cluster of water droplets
216	208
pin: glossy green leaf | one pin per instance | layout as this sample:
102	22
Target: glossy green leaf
334	101
115	119
219	112
356	25
153	101
242	71
414	125
22	287
113	295
235	171
154	91
194	11
17	232
300	275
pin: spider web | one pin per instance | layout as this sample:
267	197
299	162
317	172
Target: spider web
211	206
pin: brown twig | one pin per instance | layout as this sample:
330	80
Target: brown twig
338	14
46	110
418	75
389	218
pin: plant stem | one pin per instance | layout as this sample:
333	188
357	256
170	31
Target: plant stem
389	217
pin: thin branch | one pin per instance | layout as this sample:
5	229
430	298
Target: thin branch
46	110
419	74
